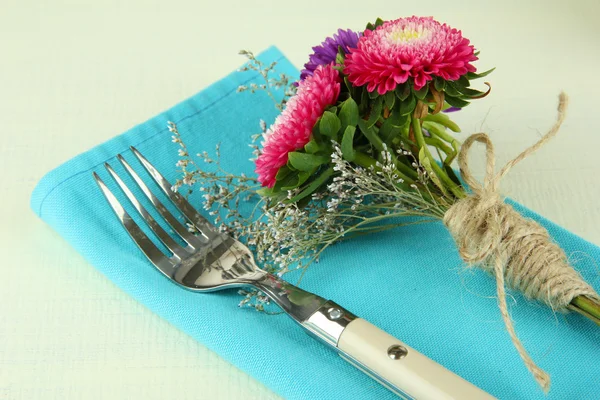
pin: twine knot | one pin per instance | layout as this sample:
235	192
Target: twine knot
517	251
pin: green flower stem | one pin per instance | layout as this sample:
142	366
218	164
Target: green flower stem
448	183
442	134
587	307
364	160
442	119
405	169
433	141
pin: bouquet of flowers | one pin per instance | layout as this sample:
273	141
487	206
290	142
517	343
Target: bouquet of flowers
364	143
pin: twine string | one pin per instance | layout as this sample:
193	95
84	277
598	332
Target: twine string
517	251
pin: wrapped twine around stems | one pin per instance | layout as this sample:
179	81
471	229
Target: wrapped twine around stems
516	250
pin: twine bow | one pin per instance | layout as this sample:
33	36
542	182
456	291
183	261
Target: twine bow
517	251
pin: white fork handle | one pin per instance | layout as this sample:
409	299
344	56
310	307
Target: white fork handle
401	367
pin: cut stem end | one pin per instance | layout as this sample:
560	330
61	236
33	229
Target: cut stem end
586	306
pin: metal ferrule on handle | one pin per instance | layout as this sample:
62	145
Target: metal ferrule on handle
327	324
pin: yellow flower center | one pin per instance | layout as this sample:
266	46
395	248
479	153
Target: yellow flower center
405	35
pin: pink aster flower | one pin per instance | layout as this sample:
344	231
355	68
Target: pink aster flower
292	129
415	47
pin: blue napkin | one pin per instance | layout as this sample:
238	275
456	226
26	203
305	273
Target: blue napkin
410	282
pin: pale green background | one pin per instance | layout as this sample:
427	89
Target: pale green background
76	73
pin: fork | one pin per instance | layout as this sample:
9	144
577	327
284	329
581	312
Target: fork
213	260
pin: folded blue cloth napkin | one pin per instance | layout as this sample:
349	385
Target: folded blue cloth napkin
410	282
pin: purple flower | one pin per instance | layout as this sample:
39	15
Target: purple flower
452	109
327	51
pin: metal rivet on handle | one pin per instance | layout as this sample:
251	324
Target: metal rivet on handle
397	352
334	313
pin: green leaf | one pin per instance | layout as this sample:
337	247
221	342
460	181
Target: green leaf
300	178
451	89
403	91
349	113
456	102
421	93
348	143
406	131
306	162
364	99
423	156
462	82
265	192
312	146
375	112
316	132
273	196
397	118
304	175
313	186
390	99
373	95
282	173
471	92
329	124
439	83
407	106
373	26
289	181
388	131
473	75
371	135
339	59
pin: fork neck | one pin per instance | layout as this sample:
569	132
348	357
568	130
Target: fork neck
298	303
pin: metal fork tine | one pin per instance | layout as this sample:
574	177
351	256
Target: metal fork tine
202	224
192	240
164	237
153	253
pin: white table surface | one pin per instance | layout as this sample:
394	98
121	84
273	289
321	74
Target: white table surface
76	73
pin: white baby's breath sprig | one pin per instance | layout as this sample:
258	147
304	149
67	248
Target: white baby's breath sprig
359	201
283	81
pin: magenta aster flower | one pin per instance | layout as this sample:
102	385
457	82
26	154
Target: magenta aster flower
326	52
293	127
415	47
